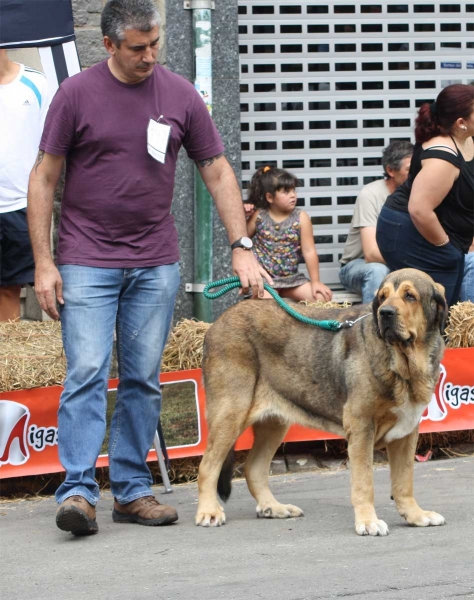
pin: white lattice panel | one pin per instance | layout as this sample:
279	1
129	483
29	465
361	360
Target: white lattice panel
325	86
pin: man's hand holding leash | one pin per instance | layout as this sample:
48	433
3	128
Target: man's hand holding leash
249	271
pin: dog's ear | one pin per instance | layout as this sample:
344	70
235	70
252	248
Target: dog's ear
375	308
441	309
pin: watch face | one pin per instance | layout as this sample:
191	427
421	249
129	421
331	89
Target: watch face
243	242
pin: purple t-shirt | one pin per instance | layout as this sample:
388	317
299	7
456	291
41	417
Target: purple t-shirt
116	204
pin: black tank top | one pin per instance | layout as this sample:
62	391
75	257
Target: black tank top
456	211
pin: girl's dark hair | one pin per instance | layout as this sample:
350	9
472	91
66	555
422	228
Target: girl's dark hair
268	180
454	102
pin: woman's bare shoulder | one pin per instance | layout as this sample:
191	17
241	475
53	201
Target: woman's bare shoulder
440	142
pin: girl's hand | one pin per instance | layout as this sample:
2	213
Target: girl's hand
321	291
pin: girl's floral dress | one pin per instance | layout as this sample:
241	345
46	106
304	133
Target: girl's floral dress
277	247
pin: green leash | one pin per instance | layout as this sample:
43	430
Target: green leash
234	282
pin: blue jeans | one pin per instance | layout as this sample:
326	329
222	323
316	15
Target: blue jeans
402	246
363	278
139	304
467	286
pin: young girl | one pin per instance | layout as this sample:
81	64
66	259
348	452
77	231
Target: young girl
282	234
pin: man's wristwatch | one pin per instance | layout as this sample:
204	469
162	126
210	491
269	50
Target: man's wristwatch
243	242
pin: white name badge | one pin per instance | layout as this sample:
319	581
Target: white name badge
158	135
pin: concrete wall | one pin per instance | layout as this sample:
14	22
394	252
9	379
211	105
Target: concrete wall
27	56
176	52
226	114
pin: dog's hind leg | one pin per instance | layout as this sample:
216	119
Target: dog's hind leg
222	437
268	436
401	456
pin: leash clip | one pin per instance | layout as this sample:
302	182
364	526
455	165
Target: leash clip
349	324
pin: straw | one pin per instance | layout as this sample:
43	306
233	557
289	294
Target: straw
459	331
31	352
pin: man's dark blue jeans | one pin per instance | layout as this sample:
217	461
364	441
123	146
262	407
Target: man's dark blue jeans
402	246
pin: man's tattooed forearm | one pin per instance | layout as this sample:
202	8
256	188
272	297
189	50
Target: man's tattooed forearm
39	160
208	161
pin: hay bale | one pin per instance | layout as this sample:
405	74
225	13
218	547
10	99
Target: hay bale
459	331
183	349
31	352
322	304
31	355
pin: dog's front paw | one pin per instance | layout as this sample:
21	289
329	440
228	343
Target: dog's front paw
425	518
214	517
278	511
376	527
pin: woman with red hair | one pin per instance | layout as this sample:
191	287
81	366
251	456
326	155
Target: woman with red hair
428	222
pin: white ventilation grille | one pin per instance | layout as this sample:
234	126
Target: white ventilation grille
325	86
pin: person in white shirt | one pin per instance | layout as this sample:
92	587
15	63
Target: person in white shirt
23	108
363	268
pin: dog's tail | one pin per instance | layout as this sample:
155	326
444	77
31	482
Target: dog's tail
224	484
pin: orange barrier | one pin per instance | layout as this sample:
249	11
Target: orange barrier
28	418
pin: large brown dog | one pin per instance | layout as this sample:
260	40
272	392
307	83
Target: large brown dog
369	383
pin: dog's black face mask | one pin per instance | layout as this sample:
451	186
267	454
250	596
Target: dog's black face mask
439	310
375	308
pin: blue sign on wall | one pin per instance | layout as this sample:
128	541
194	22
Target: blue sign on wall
451	65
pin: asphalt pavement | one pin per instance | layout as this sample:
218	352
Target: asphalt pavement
316	557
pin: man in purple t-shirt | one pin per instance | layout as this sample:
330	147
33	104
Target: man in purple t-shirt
120	125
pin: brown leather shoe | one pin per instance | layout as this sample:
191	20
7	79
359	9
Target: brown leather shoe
76	515
144	511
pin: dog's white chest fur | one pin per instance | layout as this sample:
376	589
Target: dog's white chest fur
408	416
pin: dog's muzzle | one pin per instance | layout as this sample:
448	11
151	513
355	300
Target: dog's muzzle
391	328
388	323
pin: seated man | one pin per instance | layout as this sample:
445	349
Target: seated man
363	267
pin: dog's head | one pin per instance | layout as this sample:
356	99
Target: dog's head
408	306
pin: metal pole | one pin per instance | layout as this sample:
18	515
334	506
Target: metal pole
161	464
203	237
